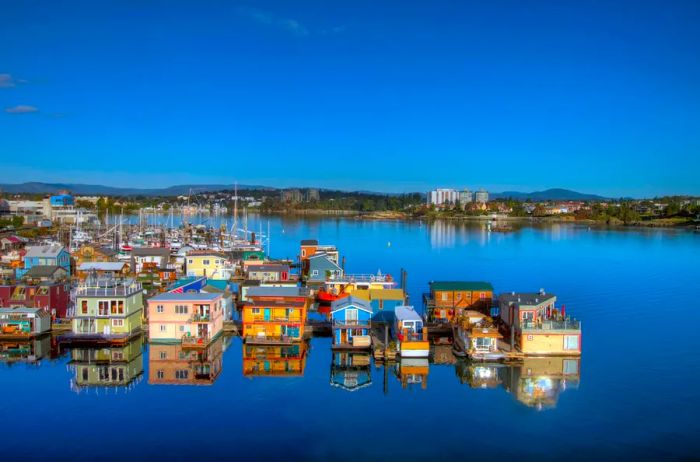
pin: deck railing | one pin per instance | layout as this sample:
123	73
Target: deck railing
552	324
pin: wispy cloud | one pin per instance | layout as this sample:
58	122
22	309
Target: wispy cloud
264	17
21	109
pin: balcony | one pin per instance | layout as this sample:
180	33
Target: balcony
194	342
262	318
199	317
351	323
551	324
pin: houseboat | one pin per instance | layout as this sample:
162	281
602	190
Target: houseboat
539	382
410	333
537	327
192	319
448	299
274	315
476	336
23	323
413	372
334	289
351	323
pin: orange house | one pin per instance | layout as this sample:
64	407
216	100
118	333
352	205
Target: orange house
448	299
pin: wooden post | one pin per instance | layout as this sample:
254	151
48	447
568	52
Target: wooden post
386	342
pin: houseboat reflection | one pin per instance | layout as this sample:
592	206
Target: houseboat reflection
478	374
538	382
274	360
175	364
113	367
350	370
30	351
413	372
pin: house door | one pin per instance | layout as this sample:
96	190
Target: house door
106	329
267	314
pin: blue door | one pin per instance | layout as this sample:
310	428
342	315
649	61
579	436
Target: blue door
293	332
267	314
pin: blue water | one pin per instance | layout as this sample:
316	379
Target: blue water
634	393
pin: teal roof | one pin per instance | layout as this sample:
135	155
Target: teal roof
184	281
221	284
461	285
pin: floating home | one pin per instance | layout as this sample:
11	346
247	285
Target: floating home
351	323
52	297
448	299
23	323
107	310
410	333
190	319
537	327
171	364
383	302
477	336
274	360
274	315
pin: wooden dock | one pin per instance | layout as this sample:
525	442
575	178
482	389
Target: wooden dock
380	351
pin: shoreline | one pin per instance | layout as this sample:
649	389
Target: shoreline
402	216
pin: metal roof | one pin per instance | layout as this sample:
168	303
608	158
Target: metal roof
461	285
407	313
345	302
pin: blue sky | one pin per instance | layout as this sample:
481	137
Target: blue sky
597	96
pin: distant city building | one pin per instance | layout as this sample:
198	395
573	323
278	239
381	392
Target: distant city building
291	195
312	194
481	196
443	196
465	197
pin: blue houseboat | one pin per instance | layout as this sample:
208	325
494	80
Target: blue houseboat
351	321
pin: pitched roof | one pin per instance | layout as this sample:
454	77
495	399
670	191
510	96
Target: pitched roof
102	266
526	298
44	250
146	251
346	302
461	285
43	271
407	313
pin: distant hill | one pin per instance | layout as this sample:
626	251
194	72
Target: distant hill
556	194
100	190
178	190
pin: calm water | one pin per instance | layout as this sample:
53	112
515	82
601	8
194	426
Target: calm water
634	393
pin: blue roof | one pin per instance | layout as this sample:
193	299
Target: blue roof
346	302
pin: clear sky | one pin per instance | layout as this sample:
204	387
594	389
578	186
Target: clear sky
596	96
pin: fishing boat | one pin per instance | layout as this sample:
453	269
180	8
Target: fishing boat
410	333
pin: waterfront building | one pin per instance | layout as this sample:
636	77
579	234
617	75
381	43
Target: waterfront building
109	368
312	194
443	197
481	196
269	272
144	259
107	309
23	322
465	197
94	253
311	247
271	316
291	195
274	360
448	299
9	243
214	265
537	327
192	319
321	268
350	370
172	364
45	273
351	323
410	333
45	255
52	297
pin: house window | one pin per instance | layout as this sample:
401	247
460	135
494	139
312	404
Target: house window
444	296
84	307
182	328
160	373
120	307
351	315
571	342
205	262
303	252
256	310
181	309
159	308
163	355
181	374
314	273
162	327
103	308
117	323
113	306
570	366
189	261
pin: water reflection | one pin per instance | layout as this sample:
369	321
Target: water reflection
274	360
538	382
114	367
351	371
173	364
413	372
30	351
478	374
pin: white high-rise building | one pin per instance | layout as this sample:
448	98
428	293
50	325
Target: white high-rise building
481	196
443	196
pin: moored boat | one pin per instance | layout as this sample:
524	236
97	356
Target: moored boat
410	333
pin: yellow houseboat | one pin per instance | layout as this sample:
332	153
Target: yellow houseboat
410	333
